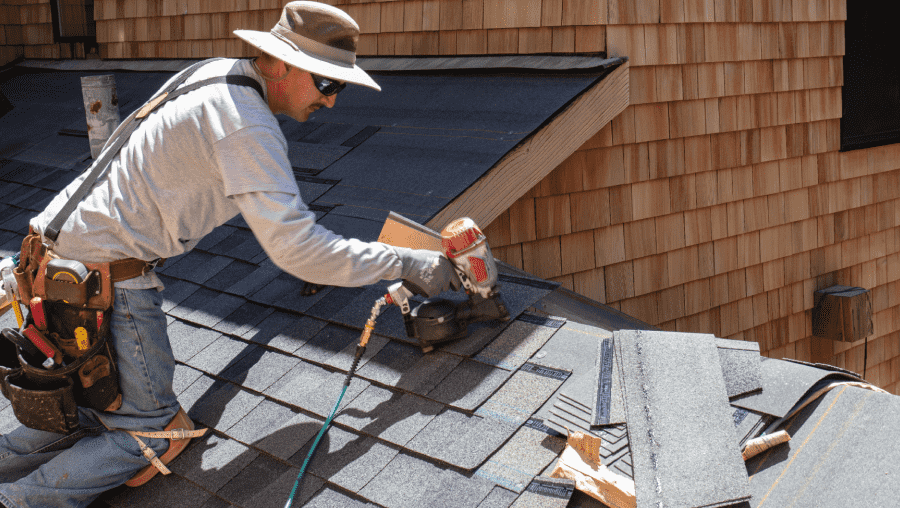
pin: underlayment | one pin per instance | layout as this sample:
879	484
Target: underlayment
674	384
843	452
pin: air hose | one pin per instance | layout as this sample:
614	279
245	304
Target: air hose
360	350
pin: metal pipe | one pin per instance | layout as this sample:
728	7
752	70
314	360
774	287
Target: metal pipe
101	105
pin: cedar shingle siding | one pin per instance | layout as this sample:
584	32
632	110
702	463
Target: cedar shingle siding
718	202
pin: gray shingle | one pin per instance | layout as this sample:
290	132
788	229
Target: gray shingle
499	498
390	363
333	300
243	319
520	397
330	341
518	342
286	292
197	266
198	300
674	382
223	405
231	274
252	480
213	461
215	236
344	360
456	490
187	340
255	280
740	366
330	498
459	439
219	355
346	459
263	421
469	384
276	495
784	383
176	291
428	371
284	331
258	369
403	482
215	310
389	415
171	490
849	433
321	401
522	458
285	439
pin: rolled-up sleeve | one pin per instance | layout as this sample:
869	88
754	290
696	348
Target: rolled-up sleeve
288	232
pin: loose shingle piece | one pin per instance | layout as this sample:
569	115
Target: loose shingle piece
740	363
680	428
784	383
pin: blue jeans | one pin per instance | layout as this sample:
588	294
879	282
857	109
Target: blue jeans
47	470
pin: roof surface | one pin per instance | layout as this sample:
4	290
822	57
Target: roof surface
470	424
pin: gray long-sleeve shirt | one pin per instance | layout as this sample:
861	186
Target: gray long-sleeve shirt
192	165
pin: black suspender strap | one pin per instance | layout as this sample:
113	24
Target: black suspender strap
128	127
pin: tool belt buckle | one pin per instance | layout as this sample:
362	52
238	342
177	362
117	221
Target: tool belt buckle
150	266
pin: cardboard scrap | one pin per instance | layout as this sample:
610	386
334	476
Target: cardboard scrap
580	461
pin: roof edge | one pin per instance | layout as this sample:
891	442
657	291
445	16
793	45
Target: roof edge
565	303
371	64
490	62
536	156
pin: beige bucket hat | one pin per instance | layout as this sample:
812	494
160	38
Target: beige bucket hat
315	37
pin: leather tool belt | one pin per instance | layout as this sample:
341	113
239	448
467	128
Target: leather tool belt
76	325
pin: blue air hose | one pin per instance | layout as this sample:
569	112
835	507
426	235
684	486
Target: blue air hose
360	349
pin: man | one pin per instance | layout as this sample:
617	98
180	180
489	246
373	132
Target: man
191	165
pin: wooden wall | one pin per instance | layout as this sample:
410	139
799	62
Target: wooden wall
26	30
203	28
718	202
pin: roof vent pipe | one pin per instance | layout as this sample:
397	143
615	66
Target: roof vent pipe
101	105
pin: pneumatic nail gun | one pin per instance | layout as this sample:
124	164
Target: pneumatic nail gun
438	320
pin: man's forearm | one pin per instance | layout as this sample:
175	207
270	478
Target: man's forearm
287	231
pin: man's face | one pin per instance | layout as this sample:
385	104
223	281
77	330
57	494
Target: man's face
296	96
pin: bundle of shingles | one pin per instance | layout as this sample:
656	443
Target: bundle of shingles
672	391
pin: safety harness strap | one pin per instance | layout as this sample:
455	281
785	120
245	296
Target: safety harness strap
128	127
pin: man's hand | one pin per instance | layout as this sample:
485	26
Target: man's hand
427	271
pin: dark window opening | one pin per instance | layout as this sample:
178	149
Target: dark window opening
871	93
73	20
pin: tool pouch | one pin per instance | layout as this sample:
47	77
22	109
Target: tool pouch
47	405
47	399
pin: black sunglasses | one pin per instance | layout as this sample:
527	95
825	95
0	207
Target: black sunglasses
327	86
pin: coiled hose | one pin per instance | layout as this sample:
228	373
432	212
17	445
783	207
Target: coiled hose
360	350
